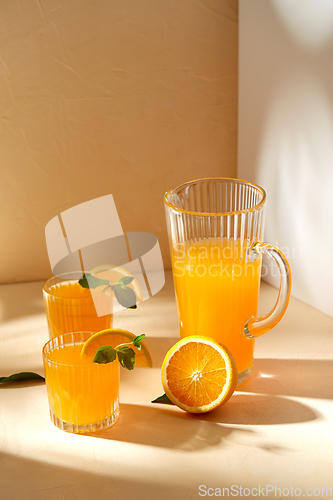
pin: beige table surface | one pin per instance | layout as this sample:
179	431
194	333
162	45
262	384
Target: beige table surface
276	431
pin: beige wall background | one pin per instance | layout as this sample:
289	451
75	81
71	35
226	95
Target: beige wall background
286	134
128	97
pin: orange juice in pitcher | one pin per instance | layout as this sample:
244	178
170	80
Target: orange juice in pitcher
215	229
217	291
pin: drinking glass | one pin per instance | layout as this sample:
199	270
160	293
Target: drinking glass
71	308
215	229
83	396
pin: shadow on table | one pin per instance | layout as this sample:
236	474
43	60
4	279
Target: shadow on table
255	409
291	377
167	428
27	479
173	428
272	387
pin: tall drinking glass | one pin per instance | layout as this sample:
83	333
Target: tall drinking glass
215	229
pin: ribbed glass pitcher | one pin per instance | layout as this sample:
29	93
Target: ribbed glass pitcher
215	229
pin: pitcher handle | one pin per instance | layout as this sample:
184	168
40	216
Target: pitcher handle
255	327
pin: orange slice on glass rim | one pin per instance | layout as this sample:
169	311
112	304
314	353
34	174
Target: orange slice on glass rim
198	374
115	337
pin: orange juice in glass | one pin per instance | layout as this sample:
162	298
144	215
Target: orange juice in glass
215	229
83	396
70	308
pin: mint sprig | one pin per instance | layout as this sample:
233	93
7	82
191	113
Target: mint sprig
124	353
90	281
126	357
125	295
105	354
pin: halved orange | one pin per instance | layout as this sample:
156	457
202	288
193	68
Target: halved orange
198	374
114	337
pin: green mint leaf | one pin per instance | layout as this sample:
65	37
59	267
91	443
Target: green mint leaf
136	341
21	376
126	297
105	354
126	357
90	281
163	400
123	348
126	280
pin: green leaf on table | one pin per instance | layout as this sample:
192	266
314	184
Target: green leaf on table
125	296
22	376
163	400
105	354
126	357
90	281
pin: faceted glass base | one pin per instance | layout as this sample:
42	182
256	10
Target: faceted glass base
244	375
86	428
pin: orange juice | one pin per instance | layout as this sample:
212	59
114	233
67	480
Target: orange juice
217	290
83	396
70	308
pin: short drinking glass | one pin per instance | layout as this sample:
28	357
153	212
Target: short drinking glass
71	308
83	396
